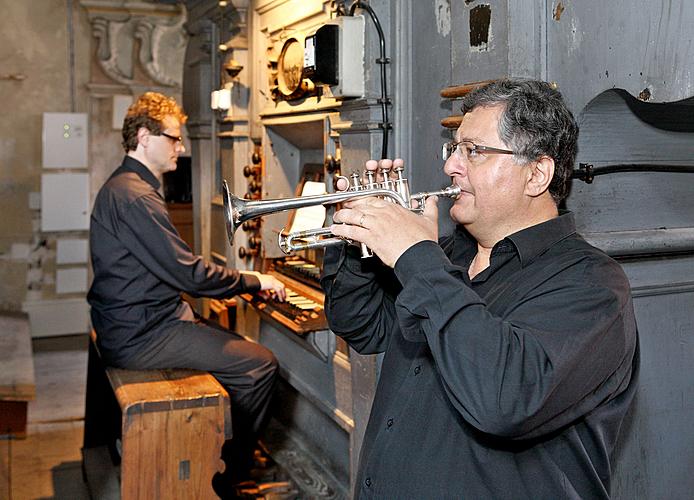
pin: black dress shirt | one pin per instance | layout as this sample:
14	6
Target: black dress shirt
141	265
512	385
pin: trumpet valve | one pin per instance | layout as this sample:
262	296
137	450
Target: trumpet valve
356	182
370	181
399	169
387	181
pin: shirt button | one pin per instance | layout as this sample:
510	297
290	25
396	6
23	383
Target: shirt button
367	482
389	423
417	369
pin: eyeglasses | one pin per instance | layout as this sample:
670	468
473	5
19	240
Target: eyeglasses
470	150
175	139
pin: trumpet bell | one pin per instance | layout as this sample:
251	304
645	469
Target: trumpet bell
231	211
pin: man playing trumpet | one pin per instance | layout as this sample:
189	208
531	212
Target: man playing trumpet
511	351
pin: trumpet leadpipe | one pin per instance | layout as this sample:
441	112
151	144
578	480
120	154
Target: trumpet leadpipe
451	191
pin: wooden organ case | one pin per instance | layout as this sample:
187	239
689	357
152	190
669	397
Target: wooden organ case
294	133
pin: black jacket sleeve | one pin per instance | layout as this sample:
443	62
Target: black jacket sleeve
360	298
151	237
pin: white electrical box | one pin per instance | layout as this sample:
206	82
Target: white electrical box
64	140
63	316
71	251
64	202
71	280
350	56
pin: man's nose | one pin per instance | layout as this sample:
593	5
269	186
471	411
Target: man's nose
181	147
455	166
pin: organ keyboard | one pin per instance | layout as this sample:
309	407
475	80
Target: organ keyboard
302	312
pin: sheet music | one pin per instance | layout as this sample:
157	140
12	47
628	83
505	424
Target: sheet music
310	217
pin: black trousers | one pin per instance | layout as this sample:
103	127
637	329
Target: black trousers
247	371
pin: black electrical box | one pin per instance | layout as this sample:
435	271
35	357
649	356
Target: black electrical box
321	55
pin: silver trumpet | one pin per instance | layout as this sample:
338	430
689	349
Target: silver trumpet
238	210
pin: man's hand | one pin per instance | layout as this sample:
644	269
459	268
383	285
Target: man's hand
269	285
386	228
272	287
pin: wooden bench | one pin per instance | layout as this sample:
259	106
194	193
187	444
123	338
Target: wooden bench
171	425
17	385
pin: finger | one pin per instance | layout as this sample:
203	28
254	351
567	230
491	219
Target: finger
362	202
342	184
279	287
371	165
397	163
431	208
349	216
351	232
387	165
337	216
370	204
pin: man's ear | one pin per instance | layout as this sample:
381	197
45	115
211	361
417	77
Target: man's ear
540	176
143	136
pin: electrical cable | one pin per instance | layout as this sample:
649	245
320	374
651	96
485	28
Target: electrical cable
587	172
385	124
339	7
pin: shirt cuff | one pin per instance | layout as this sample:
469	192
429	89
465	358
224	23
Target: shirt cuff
249	283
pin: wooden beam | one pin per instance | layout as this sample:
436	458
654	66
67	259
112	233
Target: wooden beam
458	91
452	121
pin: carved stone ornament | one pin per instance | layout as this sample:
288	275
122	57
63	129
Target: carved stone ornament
158	28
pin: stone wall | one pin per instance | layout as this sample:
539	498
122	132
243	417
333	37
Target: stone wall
69	56
36	76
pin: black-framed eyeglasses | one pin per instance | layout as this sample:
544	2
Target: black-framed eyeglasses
176	139
469	150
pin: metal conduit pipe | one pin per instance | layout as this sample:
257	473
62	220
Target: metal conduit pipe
644	242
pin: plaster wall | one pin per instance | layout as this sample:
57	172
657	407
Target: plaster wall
35	77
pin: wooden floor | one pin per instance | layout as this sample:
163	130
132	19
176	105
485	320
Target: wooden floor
47	463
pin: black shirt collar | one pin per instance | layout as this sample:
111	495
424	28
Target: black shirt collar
531	242
535	240
130	164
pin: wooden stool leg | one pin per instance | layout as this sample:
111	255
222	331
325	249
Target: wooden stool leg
102	416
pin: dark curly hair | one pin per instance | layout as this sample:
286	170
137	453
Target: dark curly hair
148	111
535	123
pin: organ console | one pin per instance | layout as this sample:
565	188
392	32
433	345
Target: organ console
302	312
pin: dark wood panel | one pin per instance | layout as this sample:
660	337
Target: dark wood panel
182	218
